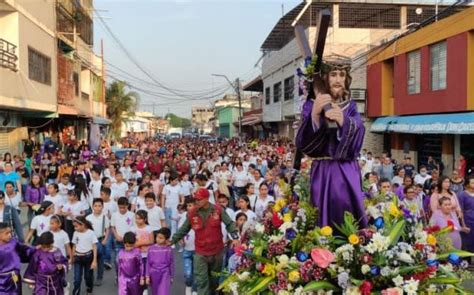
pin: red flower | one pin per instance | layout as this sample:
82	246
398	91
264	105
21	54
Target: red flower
450	224
276	221
366	258
365	288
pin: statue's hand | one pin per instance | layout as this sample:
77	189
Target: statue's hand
335	114
320	102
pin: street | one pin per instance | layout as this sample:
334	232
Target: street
108	286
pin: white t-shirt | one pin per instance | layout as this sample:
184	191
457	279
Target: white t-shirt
421	179
261	205
171	195
76	209
123	222
135	175
241	178
212	187
14	201
139	202
251	217
61	239
84	241
119	190
40	223
57	200
110	207
99	224
155	216
63	189
257	184
94	188
224	175
189	238
186	188
126	171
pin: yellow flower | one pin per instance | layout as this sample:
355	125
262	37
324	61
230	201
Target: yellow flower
287	217
269	270
276	208
294	276
326	231
354	239
394	210
280	203
431	240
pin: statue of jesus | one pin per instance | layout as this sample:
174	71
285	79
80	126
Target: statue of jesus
335	174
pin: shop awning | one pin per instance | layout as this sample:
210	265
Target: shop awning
458	123
100	121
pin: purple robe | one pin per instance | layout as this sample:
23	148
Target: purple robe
130	270
160	269
44	274
12	254
335	176
439	219
35	194
466	202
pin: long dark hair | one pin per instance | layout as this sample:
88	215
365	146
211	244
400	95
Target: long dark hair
80	186
440	184
41	182
84	221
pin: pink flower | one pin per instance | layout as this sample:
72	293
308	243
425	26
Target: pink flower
391	291
322	257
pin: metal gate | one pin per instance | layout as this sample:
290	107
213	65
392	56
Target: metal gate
4	142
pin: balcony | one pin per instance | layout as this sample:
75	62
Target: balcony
8	55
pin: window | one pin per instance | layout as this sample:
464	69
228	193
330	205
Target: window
267	95
75	78
414	72
438	66
277	92
289	85
39	67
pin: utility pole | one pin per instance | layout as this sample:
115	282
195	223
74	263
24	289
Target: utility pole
237	90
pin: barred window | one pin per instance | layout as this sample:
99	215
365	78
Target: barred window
438	65
267	95
289	85
414	72
369	16
277	92
39	67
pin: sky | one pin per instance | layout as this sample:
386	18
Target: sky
181	43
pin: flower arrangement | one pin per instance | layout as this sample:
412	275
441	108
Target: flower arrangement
396	254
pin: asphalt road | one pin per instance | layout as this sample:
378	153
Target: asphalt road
108	284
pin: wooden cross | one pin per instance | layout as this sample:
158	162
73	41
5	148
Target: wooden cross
307	53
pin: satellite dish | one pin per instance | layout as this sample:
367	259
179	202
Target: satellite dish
419	10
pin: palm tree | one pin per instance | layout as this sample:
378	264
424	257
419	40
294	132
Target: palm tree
120	106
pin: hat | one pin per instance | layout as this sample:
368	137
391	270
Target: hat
201	194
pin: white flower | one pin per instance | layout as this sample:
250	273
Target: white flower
346	256
352	291
421	236
283	259
405	257
283	292
275	238
233	287
243	276
398	281
285	226
343	280
365	269
411	287
432	288
374	212
299	291
432	256
447	268
385	271
259	228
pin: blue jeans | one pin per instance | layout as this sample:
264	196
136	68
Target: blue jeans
172	224
108	249
100	260
82	266
188	268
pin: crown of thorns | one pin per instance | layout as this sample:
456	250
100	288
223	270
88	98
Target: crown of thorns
330	63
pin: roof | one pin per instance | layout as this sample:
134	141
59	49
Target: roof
255	85
283	31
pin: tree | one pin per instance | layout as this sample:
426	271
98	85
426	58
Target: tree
176	121
121	105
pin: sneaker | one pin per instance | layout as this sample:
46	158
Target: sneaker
107	266
98	282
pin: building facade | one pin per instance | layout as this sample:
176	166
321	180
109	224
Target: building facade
421	91
201	119
355	28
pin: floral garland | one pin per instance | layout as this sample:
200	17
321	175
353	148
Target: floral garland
288	254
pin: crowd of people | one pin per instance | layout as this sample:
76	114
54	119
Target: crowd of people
91	211
428	194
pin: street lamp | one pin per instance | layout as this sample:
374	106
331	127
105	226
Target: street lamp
236	88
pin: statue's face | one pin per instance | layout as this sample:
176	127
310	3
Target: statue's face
337	82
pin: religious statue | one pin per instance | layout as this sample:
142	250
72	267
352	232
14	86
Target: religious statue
332	132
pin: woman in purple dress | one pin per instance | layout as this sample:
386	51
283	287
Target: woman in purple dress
335	173
12	254
466	201
130	267
47	268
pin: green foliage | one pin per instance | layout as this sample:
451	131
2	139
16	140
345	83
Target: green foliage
120	106
178	122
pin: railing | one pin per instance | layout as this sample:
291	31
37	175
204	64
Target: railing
8	56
